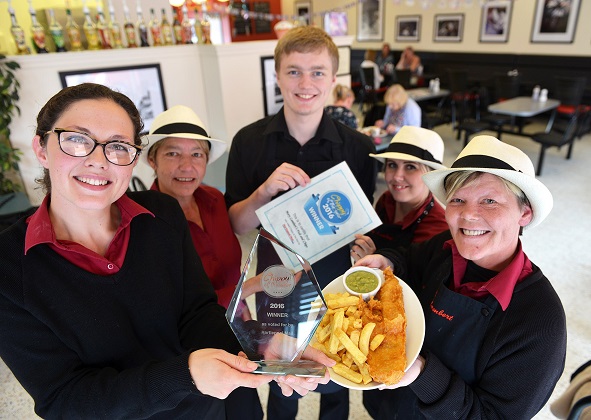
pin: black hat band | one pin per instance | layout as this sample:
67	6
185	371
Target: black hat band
181	127
482	161
411	149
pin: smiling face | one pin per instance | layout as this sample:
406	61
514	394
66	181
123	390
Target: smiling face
306	81
485	218
90	182
180	166
405	182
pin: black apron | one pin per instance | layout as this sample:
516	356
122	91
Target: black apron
455	329
392	235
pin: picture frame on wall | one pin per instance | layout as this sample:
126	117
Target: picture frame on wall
142	84
303	10
336	23
408	28
273	100
370	20
555	21
448	27
496	20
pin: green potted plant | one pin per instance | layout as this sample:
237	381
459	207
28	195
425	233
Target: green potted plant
12	200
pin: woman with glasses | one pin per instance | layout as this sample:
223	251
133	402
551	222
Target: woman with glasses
106	309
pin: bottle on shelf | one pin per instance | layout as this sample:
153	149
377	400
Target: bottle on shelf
166	29
141	26
73	31
114	28
104	32
155	29
57	33
129	27
187	30
90	30
177	28
37	32
18	33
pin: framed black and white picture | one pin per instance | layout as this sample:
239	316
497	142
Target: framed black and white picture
448	27
555	21
142	84
408	28
370	20
272	97
495	22
303	10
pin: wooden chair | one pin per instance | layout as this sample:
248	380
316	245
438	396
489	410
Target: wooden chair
569	91
403	78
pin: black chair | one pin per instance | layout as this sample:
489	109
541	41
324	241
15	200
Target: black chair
368	94
403	78
569	91
439	115
463	100
376	112
136	184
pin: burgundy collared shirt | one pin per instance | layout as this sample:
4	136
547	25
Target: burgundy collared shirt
40	231
500	286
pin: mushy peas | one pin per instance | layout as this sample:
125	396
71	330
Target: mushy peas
361	281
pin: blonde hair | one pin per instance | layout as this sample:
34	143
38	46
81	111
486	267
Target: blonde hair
305	39
341	92
370	55
396	93
460	179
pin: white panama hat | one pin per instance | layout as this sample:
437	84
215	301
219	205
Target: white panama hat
488	154
180	121
415	144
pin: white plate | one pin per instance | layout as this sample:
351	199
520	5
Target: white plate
415	330
368	132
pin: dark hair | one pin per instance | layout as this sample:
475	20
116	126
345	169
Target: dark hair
60	102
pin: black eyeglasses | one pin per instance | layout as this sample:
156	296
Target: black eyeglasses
77	144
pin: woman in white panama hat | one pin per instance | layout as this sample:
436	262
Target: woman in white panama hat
495	337
179	151
408	210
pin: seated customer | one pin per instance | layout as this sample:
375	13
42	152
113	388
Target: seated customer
341	109
179	152
369	63
385	62
409	61
401	110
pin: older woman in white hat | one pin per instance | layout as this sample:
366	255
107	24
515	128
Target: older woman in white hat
179	151
495	337
408	210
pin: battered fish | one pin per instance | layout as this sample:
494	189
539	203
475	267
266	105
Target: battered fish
388	361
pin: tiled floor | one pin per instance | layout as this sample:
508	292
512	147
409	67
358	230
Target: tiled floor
560	246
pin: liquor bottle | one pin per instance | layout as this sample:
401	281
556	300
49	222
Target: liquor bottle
57	32
104	33
129	28
177	28
18	33
73	31
187	29
205	30
155	29
37	31
141	26
114	28
90	30
167	34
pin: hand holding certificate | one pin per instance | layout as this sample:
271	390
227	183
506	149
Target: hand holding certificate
320	218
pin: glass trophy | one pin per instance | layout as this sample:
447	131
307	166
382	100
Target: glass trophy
276	308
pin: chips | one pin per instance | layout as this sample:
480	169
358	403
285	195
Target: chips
343	337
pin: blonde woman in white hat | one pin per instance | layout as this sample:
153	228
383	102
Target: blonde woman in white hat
179	151
408	210
495	337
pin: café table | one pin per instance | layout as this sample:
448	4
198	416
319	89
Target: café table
526	107
426	94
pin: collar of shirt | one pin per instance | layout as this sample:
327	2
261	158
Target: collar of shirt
326	130
411	217
500	286
40	231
